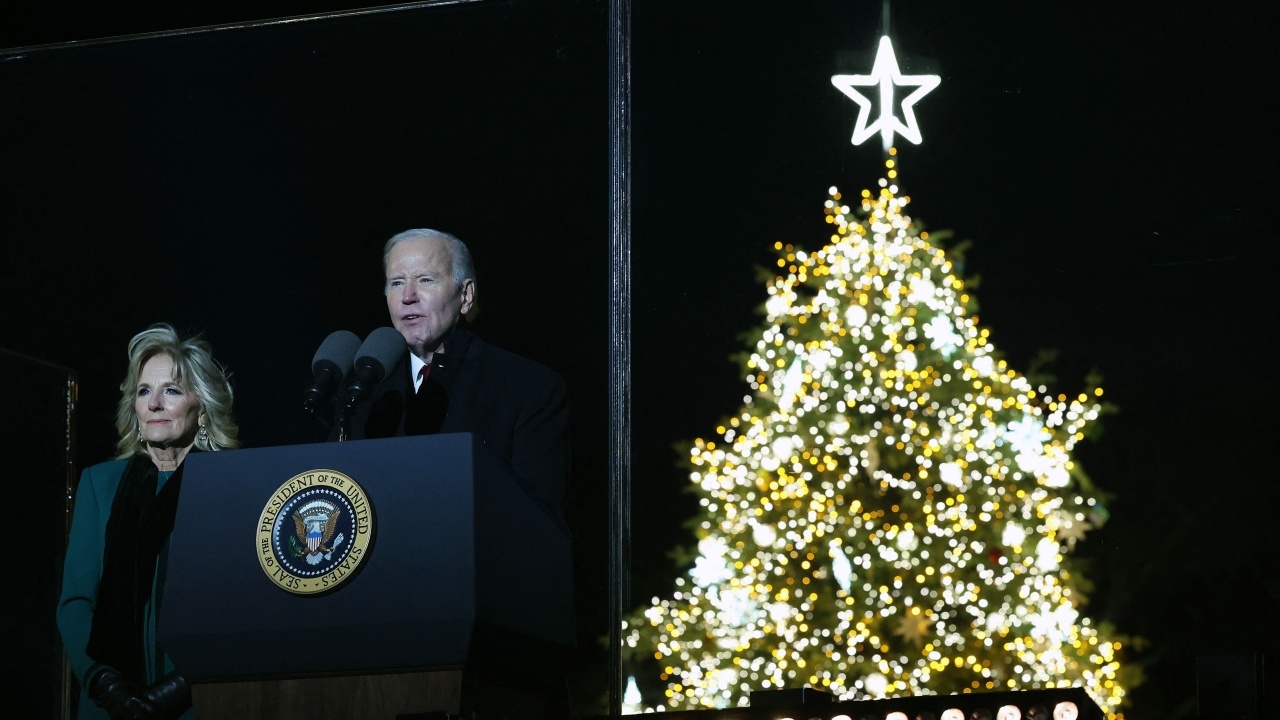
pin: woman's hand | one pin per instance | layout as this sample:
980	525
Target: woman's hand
170	696
120	698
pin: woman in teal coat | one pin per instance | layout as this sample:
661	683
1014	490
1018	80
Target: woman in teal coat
174	398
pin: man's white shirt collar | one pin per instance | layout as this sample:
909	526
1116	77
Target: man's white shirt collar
415	366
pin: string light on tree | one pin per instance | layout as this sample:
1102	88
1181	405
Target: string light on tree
891	510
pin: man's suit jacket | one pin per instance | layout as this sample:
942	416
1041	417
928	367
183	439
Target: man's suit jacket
518	407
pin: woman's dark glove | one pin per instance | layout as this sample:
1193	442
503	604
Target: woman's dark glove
119	697
170	696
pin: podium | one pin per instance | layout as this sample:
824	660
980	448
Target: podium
461	604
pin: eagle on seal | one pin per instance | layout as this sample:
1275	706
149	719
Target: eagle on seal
315	530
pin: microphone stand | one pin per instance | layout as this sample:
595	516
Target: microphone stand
342	424
366	378
354	395
314	402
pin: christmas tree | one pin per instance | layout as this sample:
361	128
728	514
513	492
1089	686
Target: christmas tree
892	510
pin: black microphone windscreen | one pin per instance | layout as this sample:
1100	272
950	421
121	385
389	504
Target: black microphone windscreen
380	351
337	351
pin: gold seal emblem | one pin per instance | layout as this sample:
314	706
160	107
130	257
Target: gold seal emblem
314	532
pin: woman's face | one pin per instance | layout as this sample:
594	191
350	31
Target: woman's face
168	415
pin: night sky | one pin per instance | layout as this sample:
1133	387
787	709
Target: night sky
1113	170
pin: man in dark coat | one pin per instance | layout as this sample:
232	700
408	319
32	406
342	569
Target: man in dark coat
452	381
449	380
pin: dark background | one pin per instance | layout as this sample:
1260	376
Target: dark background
1113	166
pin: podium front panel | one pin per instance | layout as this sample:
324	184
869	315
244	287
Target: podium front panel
411	603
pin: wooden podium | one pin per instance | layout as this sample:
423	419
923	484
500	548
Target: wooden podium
462	605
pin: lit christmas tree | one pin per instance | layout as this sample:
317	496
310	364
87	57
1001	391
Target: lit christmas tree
891	511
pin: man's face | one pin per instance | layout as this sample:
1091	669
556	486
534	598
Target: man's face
424	301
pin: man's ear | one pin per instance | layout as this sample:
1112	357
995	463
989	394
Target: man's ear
468	295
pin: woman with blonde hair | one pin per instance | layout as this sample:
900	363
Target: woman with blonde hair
175	398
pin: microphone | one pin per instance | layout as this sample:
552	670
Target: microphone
330	367
380	351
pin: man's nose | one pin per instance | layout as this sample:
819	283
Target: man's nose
408	294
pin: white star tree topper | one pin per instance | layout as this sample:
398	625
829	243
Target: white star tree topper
886	75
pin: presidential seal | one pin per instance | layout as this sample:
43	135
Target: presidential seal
315	532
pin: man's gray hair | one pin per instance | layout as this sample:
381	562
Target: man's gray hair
461	266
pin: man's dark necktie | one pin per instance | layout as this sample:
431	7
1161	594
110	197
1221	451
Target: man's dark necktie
426	409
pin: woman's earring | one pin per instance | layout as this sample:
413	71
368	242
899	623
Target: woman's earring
204	435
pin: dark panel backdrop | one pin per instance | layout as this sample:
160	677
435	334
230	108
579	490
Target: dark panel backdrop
240	184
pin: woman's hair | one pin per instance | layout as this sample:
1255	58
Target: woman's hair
195	370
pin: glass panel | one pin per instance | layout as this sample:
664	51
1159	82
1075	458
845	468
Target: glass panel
872	509
43	427
241	184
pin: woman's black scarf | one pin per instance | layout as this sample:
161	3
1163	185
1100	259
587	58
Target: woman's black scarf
137	529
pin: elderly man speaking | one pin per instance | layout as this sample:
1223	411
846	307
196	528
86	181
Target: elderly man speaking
452	381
